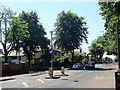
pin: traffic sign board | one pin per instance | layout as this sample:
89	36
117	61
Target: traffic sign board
51	51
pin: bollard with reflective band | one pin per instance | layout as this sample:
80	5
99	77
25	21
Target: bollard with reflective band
50	72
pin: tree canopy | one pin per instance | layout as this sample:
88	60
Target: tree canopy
70	31
13	26
37	39
97	47
110	11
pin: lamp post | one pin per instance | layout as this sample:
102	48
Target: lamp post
51	32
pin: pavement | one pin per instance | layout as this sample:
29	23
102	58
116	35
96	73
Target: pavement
31	73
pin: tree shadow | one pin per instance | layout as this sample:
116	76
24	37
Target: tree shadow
7	79
101	69
96	69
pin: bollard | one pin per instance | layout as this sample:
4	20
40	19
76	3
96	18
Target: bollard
63	70
50	72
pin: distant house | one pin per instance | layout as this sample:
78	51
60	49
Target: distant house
14	56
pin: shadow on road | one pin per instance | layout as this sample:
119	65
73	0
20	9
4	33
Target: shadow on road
104	69
96	69
7	79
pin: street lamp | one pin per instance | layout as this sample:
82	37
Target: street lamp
51	32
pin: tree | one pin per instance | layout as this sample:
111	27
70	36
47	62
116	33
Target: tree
7	14
8	41
70	30
15	30
78	57
110	47
37	39
110	11
18	32
97	48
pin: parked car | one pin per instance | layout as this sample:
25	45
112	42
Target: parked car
77	66
90	65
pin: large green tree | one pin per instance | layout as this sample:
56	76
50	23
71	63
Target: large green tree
110	11
70	30
37	39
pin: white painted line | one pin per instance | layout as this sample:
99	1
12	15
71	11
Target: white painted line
25	84
99	77
0	88
41	81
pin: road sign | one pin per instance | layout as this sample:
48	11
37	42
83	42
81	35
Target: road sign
51	51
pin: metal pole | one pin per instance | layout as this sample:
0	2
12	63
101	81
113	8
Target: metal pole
51	47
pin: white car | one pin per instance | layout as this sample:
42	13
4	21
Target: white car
77	66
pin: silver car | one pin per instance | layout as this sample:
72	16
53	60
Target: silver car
90	65
77	66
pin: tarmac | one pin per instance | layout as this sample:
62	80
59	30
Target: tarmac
106	79
103	80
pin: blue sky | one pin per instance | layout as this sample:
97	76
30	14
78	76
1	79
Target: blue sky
47	11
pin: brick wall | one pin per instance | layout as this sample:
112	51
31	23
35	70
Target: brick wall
14	69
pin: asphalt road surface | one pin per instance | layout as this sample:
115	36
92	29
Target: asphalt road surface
76	78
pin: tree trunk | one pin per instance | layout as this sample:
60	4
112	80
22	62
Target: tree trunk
72	52
5	55
29	60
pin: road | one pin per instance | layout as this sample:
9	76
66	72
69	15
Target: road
76	79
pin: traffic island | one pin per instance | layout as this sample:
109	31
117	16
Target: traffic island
62	75
55	77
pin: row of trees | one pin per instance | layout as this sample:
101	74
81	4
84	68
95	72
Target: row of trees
22	31
110	11
25	31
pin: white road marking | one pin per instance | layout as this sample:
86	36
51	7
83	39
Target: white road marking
0	88
41	81
25	84
99	77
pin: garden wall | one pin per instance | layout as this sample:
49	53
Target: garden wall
14	69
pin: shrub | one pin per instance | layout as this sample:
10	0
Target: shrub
78	57
85	61
106	59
